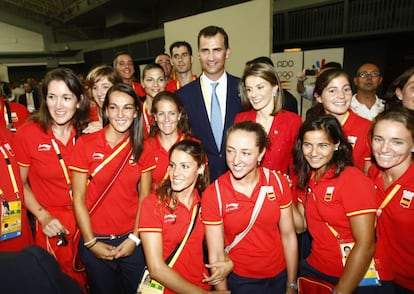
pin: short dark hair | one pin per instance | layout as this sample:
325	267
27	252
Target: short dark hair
179	44
332	64
211	31
115	61
149	66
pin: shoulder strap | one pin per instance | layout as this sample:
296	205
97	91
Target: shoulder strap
267	175
9	116
113	179
176	252
389	197
220	204
264	190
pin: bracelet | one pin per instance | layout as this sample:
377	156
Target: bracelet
292	285
89	243
90	247
134	238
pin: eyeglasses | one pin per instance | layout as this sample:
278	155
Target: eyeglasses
365	74
164	62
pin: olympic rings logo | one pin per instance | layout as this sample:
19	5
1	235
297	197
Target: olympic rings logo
285	75
285	63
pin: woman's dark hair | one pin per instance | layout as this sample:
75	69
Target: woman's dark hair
136	130
81	117
183	124
322	81
390	96
149	66
196	150
262	140
341	157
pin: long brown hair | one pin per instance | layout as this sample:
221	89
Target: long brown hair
196	150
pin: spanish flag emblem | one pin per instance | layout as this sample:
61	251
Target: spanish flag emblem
271	195
329	193
406	198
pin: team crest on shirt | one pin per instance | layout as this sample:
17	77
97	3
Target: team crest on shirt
328	193
406	198
231	206
271	195
352	140
97	156
43	147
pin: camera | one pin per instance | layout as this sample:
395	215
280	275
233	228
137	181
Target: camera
311	72
62	241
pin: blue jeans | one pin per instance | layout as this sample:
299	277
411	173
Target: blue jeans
118	276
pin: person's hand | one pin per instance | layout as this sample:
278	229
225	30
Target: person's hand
92	127
221	270
51	226
125	248
301	76
104	251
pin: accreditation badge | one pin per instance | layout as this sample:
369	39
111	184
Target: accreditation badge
371	277
11	219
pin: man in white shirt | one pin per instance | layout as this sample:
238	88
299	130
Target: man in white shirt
365	101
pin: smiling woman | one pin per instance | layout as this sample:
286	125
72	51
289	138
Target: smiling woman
169	125
168	214
229	207
392	137
332	95
153	81
337	214
43	146
107	166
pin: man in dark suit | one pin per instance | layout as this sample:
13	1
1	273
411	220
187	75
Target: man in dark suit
197	97
30	99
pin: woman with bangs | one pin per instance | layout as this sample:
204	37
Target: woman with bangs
98	81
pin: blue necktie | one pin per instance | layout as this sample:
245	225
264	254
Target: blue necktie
215	117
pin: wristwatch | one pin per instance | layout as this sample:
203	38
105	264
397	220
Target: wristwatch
134	238
293	285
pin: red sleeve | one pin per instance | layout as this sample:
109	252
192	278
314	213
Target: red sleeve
210	208
79	157
147	160
151	216
21	144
